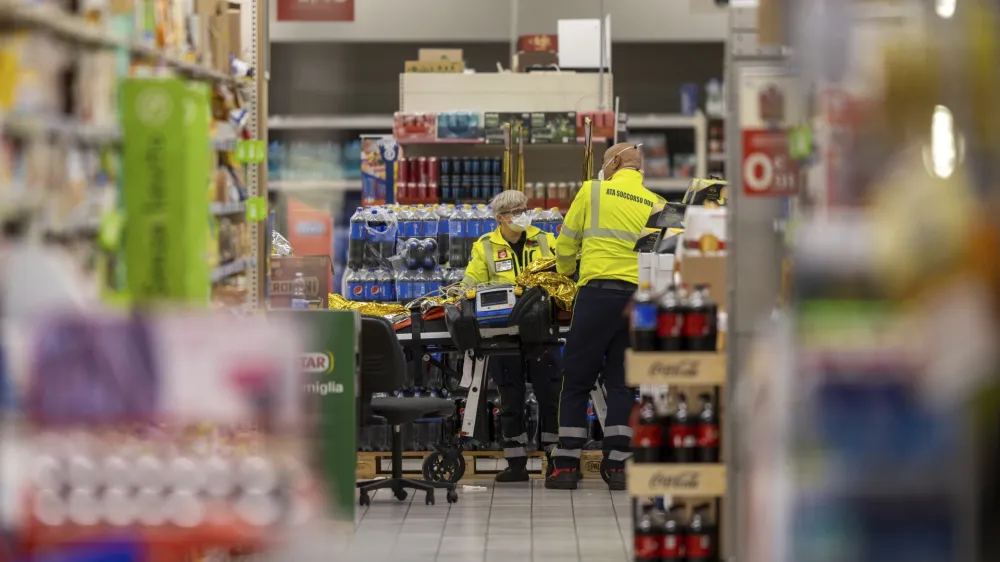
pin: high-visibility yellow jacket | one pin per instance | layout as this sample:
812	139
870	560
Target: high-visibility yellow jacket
493	259
604	222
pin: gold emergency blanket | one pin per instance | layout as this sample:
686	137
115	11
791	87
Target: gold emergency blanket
541	273
338	302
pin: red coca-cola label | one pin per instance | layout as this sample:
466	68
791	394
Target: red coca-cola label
672	549
648	436
695	324
669	324
682	436
647	547
699	547
708	435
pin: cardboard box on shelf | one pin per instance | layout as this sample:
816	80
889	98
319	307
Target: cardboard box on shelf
315	269
708	270
543	43
434	55
493	125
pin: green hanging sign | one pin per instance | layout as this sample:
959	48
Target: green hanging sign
800	141
256	209
251	151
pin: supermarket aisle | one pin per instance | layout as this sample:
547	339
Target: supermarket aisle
521	522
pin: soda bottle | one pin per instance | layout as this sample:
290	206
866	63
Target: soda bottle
403	286
459	415
555	220
648	437
386	284
700	543
437	280
353	288
644	320
672	536
418	221
387	242
531	416
457	254
429	221
682	433
490	222
670	322
299	299
707	431
647	536
428	252
442	233
375	226
418	285
701	330
476	225
405	218
595	435
371	287
356	242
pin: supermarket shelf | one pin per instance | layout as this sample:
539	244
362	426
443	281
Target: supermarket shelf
667	184
665	121
329	122
76	29
677	480
289	186
232	268
37	128
228	208
664	368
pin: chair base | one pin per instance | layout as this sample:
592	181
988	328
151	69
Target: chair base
399	485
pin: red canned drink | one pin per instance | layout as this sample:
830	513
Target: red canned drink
423	173
434	175
404	171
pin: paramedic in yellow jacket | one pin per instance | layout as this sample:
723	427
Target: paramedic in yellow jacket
606	219
498	257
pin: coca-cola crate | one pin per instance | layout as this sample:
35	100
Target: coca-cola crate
677	480
675	368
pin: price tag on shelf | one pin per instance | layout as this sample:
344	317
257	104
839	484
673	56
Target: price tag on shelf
256	209
251	151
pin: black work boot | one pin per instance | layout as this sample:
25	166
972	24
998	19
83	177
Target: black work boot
563	479
516	471
616	478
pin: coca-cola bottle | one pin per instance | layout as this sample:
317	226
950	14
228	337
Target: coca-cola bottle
647	439
459	415
707	431
647	536
701	330
672	536
670	322
682	433
700	536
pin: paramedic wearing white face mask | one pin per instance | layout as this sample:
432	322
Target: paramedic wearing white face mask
603	224
498	257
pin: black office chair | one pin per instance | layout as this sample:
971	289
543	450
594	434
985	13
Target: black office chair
383	369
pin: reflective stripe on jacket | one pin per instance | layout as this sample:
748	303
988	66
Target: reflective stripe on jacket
604	222
493	259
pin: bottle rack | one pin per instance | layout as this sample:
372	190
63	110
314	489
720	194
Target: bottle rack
683	487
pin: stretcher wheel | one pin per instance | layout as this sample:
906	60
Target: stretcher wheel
452	496
441	467
429	500
400	494
364	499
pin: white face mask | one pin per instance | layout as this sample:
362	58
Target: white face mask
520	223
600	175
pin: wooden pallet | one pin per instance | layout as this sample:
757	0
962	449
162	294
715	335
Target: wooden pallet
480	465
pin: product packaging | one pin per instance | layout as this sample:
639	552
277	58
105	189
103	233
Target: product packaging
493	124
379	155
414	127
316	271
459	125
553	128
602	122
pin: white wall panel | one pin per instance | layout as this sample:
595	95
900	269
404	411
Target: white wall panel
489	20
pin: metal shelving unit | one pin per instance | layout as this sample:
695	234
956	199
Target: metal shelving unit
330	122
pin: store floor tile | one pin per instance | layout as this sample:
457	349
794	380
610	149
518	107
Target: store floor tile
524	522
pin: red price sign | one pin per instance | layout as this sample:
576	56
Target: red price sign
315	10
768	169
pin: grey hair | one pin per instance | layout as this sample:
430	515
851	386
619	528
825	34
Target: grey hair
507	201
